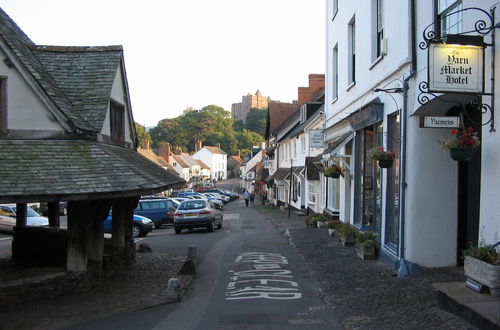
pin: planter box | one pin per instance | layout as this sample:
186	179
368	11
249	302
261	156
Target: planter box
348	240
366	252
484	273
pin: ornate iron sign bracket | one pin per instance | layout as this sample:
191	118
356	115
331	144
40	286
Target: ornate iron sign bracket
482	27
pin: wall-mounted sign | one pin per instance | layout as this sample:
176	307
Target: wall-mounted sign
316	139
455	68
440	122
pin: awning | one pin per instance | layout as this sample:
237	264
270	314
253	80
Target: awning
337	145
280	174
440	106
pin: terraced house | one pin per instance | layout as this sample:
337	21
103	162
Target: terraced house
67	134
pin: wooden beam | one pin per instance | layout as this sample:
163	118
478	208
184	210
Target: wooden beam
53	214
77	230
21	214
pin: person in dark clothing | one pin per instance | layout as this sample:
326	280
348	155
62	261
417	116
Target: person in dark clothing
252	198
246	195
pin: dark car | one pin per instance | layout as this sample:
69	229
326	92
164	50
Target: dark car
140	227
227	193
160	210
197	213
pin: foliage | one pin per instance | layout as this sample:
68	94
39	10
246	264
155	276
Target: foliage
345	229
256	120
332	171
333	224
378	153
366	238
312	219
143	137
486	253
211	125
464	139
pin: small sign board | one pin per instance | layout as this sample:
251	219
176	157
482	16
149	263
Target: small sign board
474	286
316	139
455	68
440	122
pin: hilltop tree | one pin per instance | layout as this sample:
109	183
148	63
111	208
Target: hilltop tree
143	137
256	120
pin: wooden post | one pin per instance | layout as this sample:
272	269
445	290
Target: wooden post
53	214
77	232
95	238
21	214
118	227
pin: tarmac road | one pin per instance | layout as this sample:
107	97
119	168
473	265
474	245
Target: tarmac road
249	276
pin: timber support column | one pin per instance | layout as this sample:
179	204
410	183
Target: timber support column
95	239
118	226
53	214
78	212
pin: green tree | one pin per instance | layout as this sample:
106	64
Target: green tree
256	120
143	137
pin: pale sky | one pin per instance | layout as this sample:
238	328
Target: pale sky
189	53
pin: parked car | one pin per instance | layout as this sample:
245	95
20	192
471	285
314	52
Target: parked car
227	193
43	208
222	198
8	217
140	227
218	203
160	210
199	213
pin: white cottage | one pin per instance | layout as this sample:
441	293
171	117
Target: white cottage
215	158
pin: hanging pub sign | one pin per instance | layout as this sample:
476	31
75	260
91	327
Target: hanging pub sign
456	68
316	139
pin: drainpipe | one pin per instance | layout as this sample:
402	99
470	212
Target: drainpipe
403	266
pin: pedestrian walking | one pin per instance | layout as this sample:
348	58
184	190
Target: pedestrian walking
246	196
252	198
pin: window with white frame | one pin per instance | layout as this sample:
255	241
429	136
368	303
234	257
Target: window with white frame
449	21
303	143
335	72
352	52
377	28
335	8
312	195
294	148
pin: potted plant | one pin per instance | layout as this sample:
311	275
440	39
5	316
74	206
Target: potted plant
384	158
316	220
366	245
482	264
461	144
347	234
332	171
332	224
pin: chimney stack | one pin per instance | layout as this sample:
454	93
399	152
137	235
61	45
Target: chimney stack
198	145
147	144
218	145
239	153
316	83
303	93
178	150
165	152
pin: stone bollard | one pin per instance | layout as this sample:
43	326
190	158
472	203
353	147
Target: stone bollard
174	288
192	252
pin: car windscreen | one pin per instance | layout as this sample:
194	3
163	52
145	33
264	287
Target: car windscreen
190	205
31	212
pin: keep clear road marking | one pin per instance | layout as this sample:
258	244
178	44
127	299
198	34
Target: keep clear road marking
266	279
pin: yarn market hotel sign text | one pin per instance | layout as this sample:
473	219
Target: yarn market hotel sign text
456	68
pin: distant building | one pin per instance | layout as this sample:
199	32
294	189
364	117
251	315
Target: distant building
213	157
239	111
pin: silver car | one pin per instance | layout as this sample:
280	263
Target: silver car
8	217
197	213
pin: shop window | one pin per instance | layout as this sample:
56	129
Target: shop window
393	184
368	179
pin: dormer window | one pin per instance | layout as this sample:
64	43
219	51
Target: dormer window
303	113
3	105
117	122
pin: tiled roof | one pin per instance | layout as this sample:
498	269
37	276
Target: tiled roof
236	159
85	75
277	114
215	150
149	154
23	48
44	170
181	161
202	164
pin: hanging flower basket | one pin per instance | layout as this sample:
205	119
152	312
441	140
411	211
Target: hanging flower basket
385	163
461	144
384	158
332	171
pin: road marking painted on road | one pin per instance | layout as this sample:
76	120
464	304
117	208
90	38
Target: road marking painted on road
231	216
263	281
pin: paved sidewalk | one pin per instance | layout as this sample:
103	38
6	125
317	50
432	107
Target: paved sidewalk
367	293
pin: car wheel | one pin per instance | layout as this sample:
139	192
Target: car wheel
211	228
219	226
137	231
177	230
157	225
